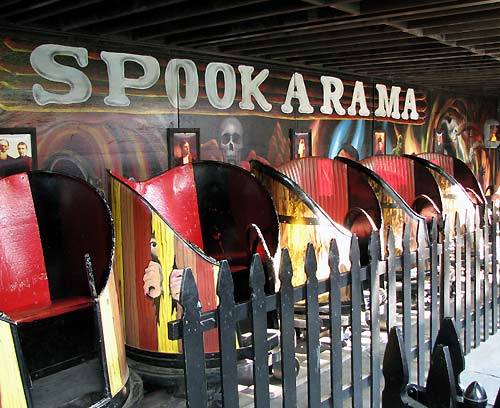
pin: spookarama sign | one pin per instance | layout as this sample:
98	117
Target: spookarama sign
43	61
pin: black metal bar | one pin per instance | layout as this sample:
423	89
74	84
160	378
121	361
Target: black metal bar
395	369
374	319
227	337
287	332
494	268
468	286
356	299
440	387
444	294
259	334
242	310
335	328
422	229
458	268
312	335
449	336
486	287
434	282
407	293
478	234
192	344
391	281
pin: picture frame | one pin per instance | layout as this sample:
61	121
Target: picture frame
491	134
18	152
438	143
183	146
379	143
300	144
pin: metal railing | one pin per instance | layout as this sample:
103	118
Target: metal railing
449	275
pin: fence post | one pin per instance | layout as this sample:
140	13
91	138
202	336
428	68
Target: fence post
486	294
494	268
440	388
448	336
356	299
494	277
395	369
444	298
434	282
422	246
335	327
407	265
227	337
458	273
468	286
391	280
477	274
259	334
192	343
312	325
287	332
374	319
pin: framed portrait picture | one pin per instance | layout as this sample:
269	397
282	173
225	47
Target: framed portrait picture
491	135
378	143
300	144
183	146
17	150
438	143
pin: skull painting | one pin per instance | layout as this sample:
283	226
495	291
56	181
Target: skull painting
231	140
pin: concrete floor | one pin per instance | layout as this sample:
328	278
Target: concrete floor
483	365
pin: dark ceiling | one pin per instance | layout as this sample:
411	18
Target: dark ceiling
451	45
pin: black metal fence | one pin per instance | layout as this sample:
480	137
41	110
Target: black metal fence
451	274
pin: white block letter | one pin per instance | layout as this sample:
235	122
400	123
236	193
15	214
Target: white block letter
297	89
250	87
330	97
115	62
42	61
388	107
172	83
358	96
211	73
410	104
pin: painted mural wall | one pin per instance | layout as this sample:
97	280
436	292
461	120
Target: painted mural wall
109	125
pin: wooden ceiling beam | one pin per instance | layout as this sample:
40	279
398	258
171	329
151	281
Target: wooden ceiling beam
253	31
170	16
328	52
54	10
469	35
331	44
478	41
5	4
15	9
387	6
476	17
100	20
394	53
458	28
228	18
266	42
419	69
428	59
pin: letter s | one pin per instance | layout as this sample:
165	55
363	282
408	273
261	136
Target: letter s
42	61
